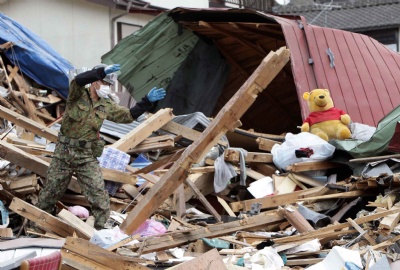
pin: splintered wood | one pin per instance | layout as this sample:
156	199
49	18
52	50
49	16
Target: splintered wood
165	199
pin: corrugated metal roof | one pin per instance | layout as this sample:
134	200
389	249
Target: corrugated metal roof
363	80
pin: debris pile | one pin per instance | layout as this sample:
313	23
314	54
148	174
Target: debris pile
182	197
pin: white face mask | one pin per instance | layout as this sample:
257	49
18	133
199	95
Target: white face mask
104	91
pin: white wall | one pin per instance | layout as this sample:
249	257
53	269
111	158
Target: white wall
77	29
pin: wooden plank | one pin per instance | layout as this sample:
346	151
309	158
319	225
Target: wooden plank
233	155
24	181
307	180
19	157
143	130
227	119
123	242
84	230
208	260
149	177
37	165
272	201
118	176
226	207
154	143
388	223
185	132
10	89
203	200
254	174
266	144
29	124
384	244
313	166
84	247
297	220
23	88
349	194
12	73
45	116
179	201
294	262
23	142
361	231
40	217
34	150
333	228
46	99
6	232
179	238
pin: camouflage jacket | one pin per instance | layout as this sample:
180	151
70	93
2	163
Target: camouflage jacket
83	116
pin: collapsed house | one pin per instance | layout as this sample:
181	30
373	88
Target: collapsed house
246	70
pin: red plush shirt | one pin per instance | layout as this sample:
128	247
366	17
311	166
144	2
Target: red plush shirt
317	117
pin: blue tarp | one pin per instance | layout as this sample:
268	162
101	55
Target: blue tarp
35	58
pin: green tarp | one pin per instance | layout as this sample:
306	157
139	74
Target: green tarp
378	143
150	56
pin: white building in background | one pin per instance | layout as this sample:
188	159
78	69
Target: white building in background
83	30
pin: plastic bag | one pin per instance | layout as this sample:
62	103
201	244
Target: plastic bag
284	154
223	173
107	237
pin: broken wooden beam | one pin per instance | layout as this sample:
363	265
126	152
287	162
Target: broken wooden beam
233	155
296	219
275	200
388	223
227	119
313	166
80	254
143	130
332	228
41	218
29	124
266	144
178	238
203	200
185	132
153	143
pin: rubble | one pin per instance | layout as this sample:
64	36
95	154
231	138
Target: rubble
165	211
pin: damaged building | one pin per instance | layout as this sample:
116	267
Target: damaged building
235	80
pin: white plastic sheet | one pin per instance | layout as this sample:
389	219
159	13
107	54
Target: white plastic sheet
284	154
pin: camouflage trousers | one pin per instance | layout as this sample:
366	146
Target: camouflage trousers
67	161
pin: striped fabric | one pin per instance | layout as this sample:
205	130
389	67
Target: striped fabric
51	261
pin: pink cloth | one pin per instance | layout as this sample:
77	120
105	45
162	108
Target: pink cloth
79	211
150	227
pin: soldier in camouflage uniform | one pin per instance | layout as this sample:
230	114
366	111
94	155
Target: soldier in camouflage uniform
79	144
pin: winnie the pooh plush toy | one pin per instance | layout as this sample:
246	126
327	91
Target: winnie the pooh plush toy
324	119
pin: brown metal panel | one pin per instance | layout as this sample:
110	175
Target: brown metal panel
388	70
336	78
363	80
345	99
303	73
368	86
351	79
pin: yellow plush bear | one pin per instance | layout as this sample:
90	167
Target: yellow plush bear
324	119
